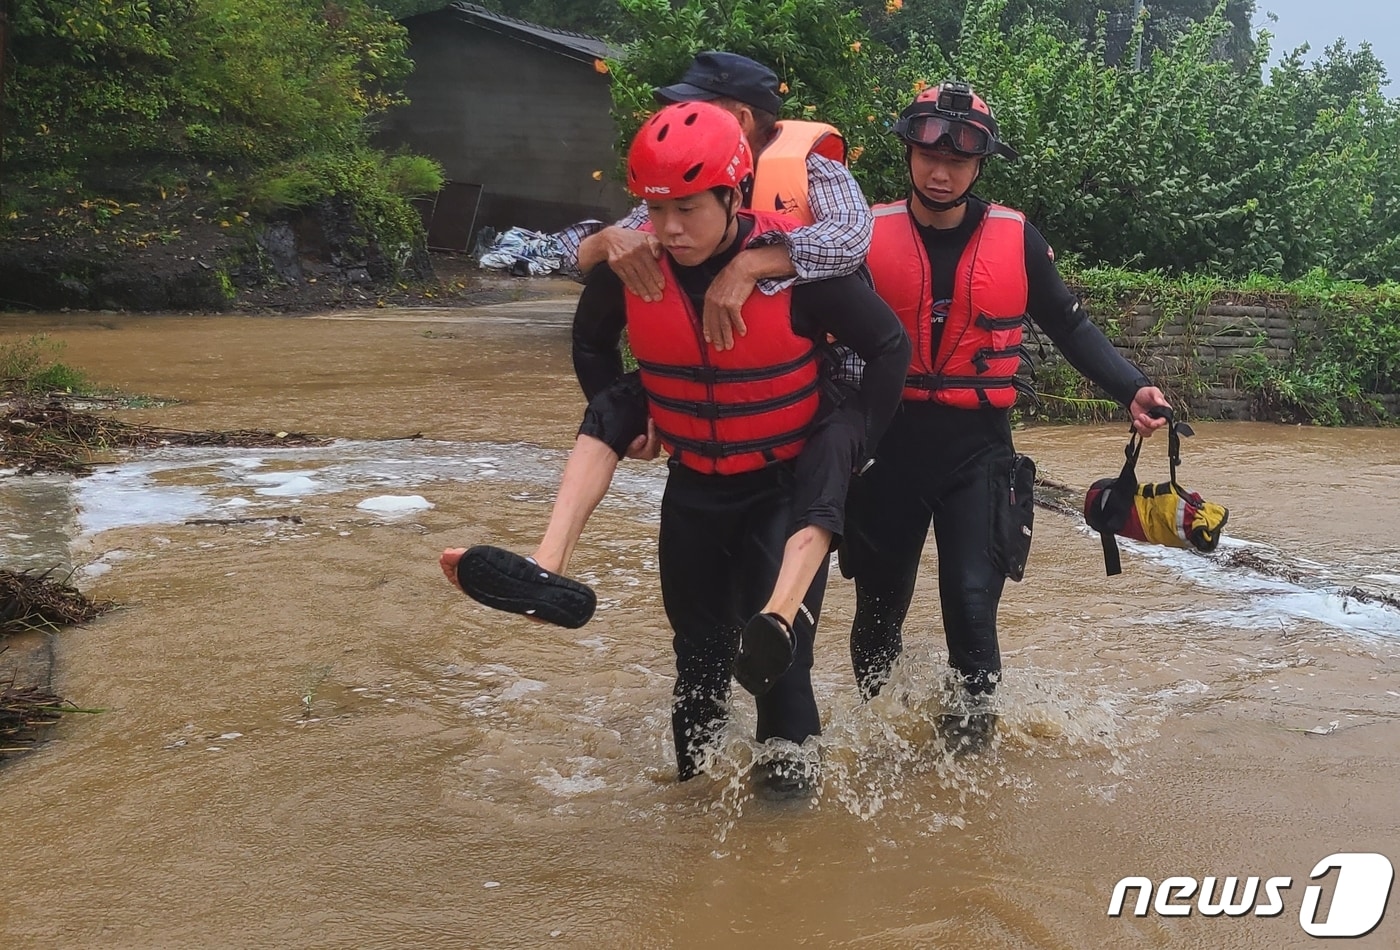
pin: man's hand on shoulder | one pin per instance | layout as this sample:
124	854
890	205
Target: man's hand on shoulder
632	255
724	303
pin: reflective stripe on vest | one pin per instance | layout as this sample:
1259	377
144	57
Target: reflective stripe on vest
980	349
780	176
722	413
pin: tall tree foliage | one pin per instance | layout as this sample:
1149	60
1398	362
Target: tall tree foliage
828	66
236	82
1191	163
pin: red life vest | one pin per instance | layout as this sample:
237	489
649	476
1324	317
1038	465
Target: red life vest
722	413
980	349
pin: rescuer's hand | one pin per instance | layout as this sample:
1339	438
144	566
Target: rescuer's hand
1147	398
645	447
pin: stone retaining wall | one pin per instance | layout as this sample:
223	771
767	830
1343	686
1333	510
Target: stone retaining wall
1195	357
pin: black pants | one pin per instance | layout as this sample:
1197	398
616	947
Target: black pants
721	542
949	467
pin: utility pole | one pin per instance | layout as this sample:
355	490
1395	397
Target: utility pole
1138	7
4	44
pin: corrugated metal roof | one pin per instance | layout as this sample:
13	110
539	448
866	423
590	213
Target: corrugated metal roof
574	45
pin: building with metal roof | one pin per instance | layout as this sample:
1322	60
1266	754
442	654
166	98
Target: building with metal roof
519	116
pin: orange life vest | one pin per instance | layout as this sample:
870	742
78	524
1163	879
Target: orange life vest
980	349
722	413
780	175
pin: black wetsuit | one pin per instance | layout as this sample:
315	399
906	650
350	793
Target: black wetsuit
722	536
952	467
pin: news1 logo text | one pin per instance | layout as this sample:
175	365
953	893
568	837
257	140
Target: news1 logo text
1360	889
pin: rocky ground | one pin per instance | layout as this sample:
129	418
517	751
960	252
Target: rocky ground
169	255
456	281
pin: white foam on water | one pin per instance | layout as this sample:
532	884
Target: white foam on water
128	495
519	690
580	781
247	463
131	494
395	504
1260	601
1274	610
286	484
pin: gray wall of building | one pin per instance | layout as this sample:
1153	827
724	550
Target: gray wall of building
529	124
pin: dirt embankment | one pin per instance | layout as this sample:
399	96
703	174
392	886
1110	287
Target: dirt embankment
169	256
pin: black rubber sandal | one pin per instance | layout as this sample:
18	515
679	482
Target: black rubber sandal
508	581
766	650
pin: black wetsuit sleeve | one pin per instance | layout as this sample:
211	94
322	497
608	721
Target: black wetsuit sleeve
599	319
1059	313
849	309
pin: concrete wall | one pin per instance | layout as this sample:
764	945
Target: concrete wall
528	124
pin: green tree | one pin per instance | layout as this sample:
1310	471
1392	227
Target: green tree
257	103
239	82
941	20
828	65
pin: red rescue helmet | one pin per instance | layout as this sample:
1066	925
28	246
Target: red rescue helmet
952	115
687	148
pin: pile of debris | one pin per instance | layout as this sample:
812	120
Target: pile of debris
53	437
22	711
32	601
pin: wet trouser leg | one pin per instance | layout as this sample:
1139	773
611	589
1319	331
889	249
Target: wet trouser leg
789	709
887	520
721	541
969	582
941	465
617	415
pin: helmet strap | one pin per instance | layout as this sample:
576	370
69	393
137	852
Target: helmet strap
928	202
733	202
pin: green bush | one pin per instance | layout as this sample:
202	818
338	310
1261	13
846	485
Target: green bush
268	102
28	366
378	187
412	175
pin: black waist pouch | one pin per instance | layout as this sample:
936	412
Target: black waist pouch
1013	515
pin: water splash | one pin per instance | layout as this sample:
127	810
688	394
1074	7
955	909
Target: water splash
900	754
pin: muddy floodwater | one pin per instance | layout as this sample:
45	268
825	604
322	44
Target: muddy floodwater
308	739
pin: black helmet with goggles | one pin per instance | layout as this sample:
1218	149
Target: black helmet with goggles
955	117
